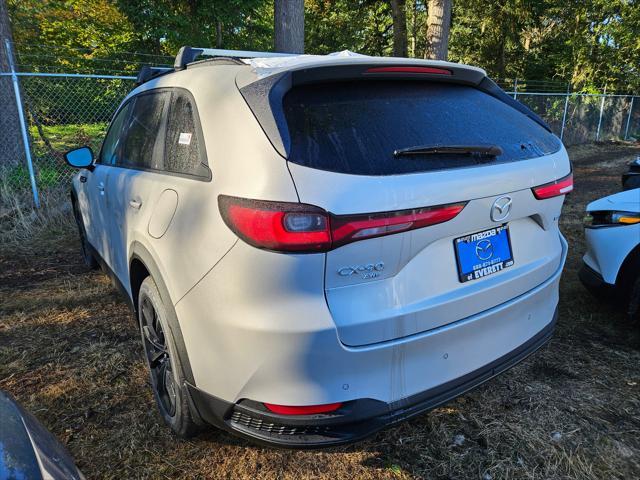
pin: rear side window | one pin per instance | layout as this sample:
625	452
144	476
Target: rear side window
183	150
354	127
145	127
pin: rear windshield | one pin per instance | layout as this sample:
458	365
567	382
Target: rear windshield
354	127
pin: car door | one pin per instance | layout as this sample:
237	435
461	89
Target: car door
96	220
130	184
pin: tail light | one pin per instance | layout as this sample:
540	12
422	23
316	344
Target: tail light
304	410
555	188
296	227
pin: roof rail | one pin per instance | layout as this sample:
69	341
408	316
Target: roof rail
187	55
147	73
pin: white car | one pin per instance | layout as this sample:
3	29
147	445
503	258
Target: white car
318	247
612	262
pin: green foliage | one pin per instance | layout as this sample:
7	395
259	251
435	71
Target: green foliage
363	26
67	136
70	34
75	100
163	26
590	43
48	160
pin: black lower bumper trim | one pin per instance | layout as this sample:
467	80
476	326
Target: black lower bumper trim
593	281
356	419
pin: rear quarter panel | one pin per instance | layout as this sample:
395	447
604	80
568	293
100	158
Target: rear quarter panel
243	163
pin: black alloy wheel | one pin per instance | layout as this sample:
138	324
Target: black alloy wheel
158	356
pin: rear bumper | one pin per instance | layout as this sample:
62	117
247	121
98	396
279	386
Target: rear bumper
282	348
355	419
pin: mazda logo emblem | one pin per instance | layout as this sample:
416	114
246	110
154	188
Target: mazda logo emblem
484	249
501	208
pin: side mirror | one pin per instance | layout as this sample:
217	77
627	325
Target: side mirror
80	157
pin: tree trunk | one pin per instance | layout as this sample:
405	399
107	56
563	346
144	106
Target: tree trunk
399	15
218	34
11	149
414	28
289	26
438	23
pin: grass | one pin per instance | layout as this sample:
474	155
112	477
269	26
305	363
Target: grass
67	136
48	159
69	351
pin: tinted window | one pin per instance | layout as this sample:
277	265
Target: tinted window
143	130
354	127
184	152
112	140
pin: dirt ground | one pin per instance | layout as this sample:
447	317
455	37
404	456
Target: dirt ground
70	352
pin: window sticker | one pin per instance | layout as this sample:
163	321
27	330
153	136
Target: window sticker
185	138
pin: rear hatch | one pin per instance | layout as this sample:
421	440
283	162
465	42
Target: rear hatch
343	137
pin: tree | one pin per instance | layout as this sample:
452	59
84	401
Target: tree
363	26
438	23
289	26
71	36
399	15
169	24
11	149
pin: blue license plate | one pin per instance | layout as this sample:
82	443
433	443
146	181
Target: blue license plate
483	253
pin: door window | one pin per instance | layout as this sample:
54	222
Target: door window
145	132
113	139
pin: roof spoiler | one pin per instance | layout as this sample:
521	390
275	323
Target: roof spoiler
187	55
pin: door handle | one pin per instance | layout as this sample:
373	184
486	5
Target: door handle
101	187
135	204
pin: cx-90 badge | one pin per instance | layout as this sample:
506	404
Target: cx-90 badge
370	270
501	208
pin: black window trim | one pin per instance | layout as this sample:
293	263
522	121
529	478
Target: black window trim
197	125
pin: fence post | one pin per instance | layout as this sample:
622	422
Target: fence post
601	110
515	89
626	130
564	114
23	124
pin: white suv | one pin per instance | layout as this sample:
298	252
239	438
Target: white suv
318	247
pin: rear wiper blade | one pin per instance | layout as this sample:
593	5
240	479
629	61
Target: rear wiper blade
477	150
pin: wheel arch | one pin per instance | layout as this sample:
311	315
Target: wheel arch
629	267
142	265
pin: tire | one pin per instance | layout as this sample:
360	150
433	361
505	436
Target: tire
631	182
165	368
85	250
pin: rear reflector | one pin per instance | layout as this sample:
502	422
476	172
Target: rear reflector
427	70
296	227
305	410
553	189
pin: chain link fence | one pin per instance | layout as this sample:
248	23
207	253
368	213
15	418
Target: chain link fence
65	111
61	112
